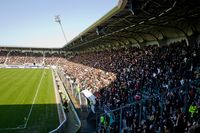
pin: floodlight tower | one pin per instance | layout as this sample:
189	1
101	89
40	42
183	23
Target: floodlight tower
58	20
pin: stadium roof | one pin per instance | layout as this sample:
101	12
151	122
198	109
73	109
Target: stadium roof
136	22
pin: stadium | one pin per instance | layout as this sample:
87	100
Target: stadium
135	70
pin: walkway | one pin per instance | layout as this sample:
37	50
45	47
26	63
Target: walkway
86	126
72	125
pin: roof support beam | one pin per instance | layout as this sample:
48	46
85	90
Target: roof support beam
172	27
139	33
128	38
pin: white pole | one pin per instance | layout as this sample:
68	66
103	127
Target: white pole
57	19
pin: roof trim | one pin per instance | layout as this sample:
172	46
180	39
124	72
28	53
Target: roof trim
120	6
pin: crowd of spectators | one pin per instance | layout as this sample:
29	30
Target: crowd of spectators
28	58
164	78
34	58
164	81
24	58
16	58
3	54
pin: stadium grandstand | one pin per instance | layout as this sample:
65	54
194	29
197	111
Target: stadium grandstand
135	70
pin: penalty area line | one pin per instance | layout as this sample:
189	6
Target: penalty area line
7	129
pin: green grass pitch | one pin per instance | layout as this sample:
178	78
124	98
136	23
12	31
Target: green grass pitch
27	101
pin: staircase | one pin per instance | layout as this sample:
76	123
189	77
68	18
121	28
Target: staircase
87	125
7	57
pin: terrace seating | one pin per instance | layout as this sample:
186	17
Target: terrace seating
158	74
16	58
36	58
3	54
165	78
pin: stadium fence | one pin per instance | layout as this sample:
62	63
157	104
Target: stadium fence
67	86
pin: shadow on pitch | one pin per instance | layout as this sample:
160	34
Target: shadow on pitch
40	118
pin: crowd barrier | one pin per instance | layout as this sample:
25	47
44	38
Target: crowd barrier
68	87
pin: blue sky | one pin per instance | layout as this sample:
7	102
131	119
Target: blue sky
30	23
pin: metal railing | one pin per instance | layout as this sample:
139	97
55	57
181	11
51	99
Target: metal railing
138	109
71	87
115	117
68	86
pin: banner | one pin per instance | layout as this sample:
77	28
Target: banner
91	98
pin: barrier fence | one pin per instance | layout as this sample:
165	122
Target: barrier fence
68	86
74	89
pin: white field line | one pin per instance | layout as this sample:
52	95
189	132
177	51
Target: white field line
59	106
38	87
15	128
20	127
